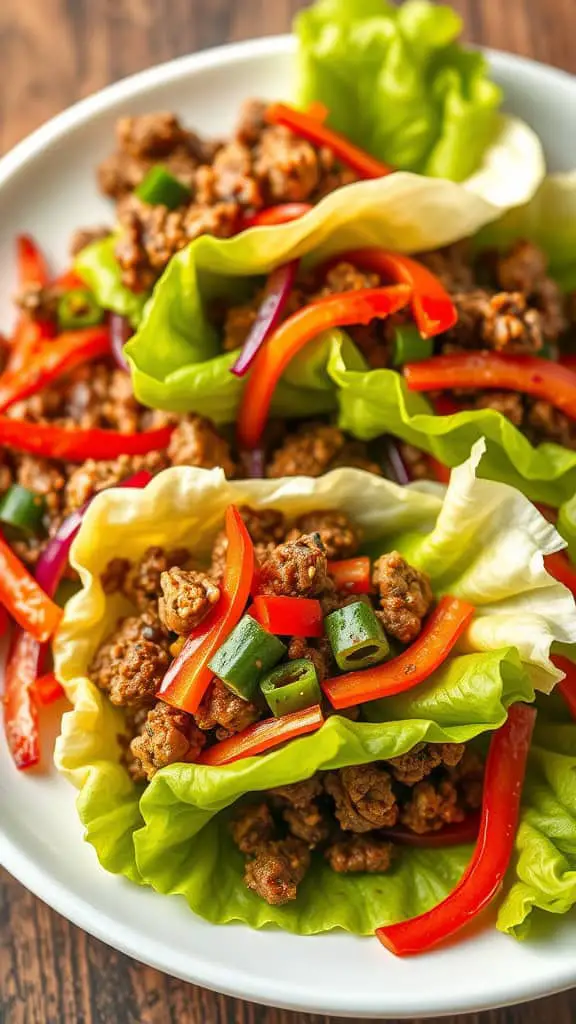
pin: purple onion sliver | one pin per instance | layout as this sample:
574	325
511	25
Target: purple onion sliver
278	287
255	462
120	332
396	462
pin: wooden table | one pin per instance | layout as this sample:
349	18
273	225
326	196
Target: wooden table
54	52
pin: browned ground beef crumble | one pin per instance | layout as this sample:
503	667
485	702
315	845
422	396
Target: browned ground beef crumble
339	814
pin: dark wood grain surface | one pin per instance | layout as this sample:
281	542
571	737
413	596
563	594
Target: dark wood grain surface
53	52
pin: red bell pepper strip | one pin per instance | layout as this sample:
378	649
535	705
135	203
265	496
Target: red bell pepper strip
289	616
569	361
76	445
314	131
29	338
274	215
438	470
20	710
263	736
432	307
503	781
354	307
477	370
188	677
52	360
562	570
549	513
47	690
318	110
455	834
68	281
351	575
32	268
26	602
439	635
444	405
567	686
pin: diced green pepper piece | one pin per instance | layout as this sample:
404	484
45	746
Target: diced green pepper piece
356	636
22	512
160	188
245	656
78	308
291	687
410	346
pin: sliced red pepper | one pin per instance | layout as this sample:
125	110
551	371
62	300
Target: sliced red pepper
20	710
26	602
263	736
549	513
274	215
478	370
503	781
69	280
75	445
318	110
352	575
432	307
455	834
314	131
289	616
444	405
4	620
51	361
568	361
188	677
32	267
562	570
567	686
354	307
47	690
438	470
439	635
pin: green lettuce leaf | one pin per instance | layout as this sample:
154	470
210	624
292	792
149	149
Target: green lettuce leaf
98	267
372	402
544	873
397	83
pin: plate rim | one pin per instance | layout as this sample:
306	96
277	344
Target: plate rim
76	908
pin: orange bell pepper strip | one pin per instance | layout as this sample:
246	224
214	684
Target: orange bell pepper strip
29	334
21	596
567	686
20	709
32	267
274	215
261	736
53	360
313	130
188	677
47	690
439	635
477	370
503	781
73	444
432	307
354	307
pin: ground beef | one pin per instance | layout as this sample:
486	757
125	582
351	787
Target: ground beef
503	322
468	775
114	576
169	735
142	583
546	423
318	652
310	451
286	166
295	569
419	762
277	869
130	665
143	141
363	796
523	268
92	477
431	806
187	598
252	827
355	455
339	536
453	265
298	794
43	477
39	302
224	711
416	462
196	442
266	528
360	854
509	403
405	596
299	807
85	236
345	277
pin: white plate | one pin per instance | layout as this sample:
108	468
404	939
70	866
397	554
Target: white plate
47	187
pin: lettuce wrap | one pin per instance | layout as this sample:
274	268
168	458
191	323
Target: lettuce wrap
478	539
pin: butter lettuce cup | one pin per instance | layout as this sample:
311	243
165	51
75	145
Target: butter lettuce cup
284	691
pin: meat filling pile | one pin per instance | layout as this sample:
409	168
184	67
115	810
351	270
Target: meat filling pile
340	814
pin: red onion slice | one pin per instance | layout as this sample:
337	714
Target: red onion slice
395	463
120	332
278	287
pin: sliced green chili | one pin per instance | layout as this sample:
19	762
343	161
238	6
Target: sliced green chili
356	636
160	188
22	512
245	656
78	308
410	346
291	687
